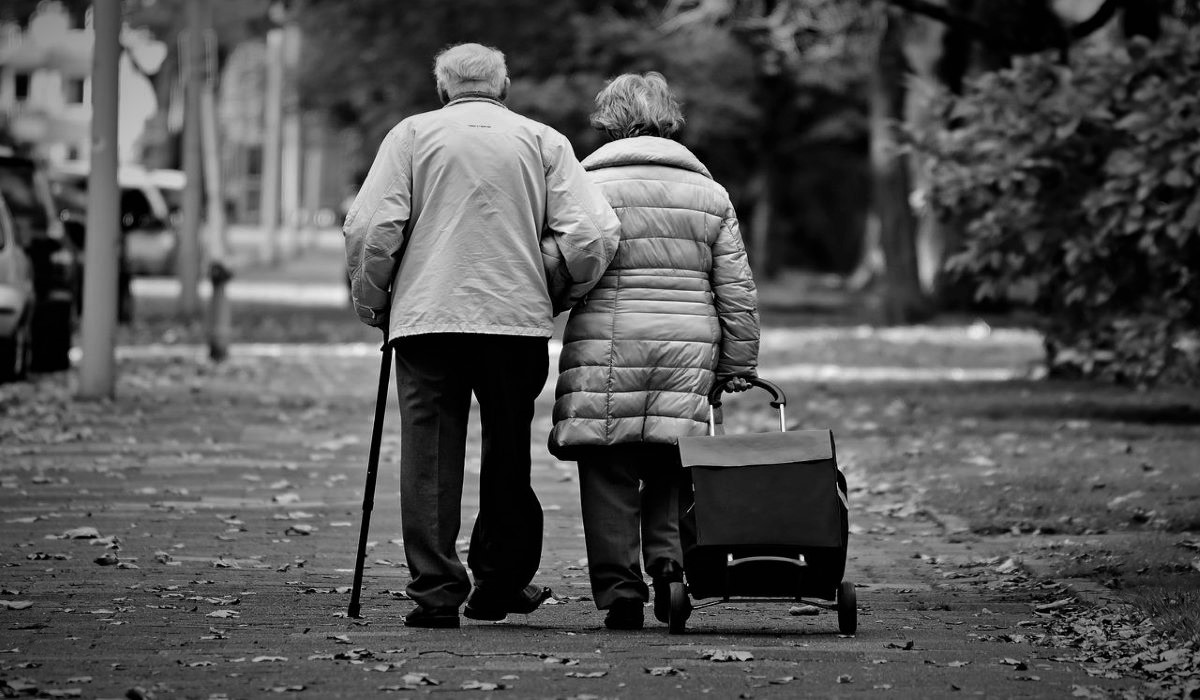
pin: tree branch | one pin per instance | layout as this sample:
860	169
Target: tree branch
951	19
1089	26
981	32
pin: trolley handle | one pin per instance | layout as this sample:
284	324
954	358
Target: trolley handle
778	401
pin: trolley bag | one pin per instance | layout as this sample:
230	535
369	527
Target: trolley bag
768	514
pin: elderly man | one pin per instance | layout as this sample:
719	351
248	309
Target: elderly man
444	245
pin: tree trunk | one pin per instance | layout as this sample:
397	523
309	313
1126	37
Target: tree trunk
187	257
1142	18
98	369
761	260
903	300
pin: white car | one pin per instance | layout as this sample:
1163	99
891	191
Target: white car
151	238
16	301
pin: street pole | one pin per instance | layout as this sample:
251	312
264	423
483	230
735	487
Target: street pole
187	262
97	369
291	152
219	273
272	127
314	151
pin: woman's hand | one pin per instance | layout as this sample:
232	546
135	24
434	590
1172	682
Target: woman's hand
737	384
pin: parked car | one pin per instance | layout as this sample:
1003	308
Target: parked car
57	261
171	184
151	240
16	300
71	204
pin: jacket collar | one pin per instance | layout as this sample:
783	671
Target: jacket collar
645	150
474	97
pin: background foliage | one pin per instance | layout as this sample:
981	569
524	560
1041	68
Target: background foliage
1077	186
745	113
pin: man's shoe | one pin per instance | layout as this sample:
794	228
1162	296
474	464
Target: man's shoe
668	572
440	618
481	606
625	614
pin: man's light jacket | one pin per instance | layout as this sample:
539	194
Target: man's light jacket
446	233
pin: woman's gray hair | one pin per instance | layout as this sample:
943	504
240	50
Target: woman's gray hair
470	68
637	105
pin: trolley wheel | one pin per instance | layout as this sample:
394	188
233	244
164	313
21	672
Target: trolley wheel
847	608
681	608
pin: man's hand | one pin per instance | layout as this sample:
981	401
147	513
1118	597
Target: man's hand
737	384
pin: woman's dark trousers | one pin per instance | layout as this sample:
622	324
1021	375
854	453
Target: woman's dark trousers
630	499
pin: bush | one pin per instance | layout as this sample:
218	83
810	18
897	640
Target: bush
1077	185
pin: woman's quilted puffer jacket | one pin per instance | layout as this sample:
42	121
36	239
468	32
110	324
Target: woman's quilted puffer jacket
676	308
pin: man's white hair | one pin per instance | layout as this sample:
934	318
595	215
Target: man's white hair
470	68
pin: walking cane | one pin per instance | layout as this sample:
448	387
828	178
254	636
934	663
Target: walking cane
385	371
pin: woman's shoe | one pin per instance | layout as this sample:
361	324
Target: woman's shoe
667	572
624	614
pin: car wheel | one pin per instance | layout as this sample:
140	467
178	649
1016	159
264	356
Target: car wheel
53	325
16	352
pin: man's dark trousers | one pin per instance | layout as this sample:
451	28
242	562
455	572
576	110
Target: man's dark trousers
436	375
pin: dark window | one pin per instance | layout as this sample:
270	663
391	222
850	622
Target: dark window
21	84
136	211
254	159
77	15
74	91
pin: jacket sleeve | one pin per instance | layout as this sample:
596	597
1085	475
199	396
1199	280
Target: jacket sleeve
558	281
736	299
375	227
582	229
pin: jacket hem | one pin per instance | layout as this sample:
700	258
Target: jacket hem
427	328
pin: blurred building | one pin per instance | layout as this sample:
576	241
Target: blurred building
46	106
46	86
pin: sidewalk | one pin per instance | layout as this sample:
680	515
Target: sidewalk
195	539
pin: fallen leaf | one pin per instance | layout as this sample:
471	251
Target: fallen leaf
1009	566
108	559
664	671
804	610
81	533
581	674
907	646
260	659
224	613
1056	605
480	685
285	688
416	679
1017	664
16	604
723	655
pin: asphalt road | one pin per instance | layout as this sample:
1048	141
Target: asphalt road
225	505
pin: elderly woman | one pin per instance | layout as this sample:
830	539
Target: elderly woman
675	313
